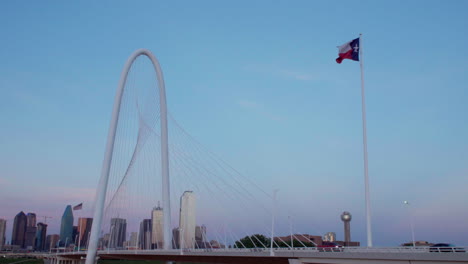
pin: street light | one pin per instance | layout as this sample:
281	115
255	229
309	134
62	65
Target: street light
181	241
290	231
272	253
411	222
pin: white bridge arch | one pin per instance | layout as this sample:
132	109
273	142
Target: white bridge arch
102	187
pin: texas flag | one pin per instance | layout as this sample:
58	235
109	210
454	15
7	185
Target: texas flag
349	50
78	206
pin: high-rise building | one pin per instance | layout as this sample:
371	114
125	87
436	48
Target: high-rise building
19	230
145	234
200	237
2	233
31	219
75	236
84	231
200	233
175	238
40	244
133	242
157	236
104	241
330	237
30	237
66	227
51	242
187	220
118	231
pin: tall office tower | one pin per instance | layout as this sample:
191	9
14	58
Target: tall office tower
187	220
31	219
40	244
175	238
145	234
133	242
84	231
330	237
157	237
200	236
51	242
19	230
104	241
66	227
75	236
30	237
118	231
346	218
2	233
200	233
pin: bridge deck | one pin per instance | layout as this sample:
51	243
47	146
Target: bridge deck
361	255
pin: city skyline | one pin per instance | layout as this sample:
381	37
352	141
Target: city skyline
117	239
144	238
256	83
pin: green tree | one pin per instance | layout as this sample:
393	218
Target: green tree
253	241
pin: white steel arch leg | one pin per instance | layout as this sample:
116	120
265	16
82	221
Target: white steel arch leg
102	187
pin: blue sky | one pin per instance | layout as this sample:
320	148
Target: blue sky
257	83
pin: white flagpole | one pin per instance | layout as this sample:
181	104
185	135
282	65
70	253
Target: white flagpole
364	136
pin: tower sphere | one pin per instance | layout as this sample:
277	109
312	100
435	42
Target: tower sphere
345	217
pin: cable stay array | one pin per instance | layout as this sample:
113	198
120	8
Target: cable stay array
213	205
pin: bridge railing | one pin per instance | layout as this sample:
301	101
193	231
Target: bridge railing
425	249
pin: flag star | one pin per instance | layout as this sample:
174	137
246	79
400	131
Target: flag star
356	48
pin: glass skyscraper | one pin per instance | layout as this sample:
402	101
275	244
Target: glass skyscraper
145	234
31	229
66	228
118	232
19	230
41	237
31	219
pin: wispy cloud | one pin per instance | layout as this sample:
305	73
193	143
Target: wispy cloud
259	109
284	72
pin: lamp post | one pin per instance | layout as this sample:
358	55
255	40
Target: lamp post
181	241
272	253
411	222
57	246
76	237
290	231
110	243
